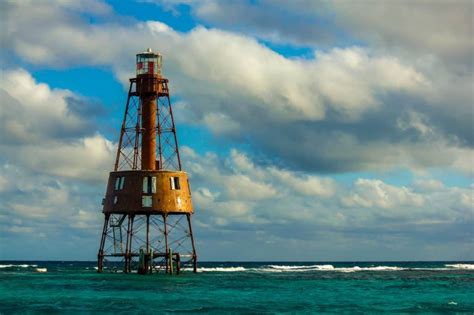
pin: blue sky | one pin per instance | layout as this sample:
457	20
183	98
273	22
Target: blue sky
312	130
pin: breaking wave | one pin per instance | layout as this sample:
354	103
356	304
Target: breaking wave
316	267
312	268
18	266
278	268
460	266
219	269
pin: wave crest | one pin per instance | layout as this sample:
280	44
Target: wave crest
18	266
218	269
461	266
298	268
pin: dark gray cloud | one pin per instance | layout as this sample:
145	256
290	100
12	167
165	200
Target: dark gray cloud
276	21
396	134
440	28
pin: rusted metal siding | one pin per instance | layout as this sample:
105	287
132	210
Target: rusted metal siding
129	199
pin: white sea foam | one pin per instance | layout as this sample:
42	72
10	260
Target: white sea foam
18	266
278	268
310	267
374	268
220	269
303	268
297	268
461	266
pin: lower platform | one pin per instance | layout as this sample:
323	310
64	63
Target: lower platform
147	243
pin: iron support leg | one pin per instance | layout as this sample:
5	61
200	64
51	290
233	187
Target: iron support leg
130	244
188	217
128	247
100	256
147	255
166	243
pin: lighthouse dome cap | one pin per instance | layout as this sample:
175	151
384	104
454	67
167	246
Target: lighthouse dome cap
149	52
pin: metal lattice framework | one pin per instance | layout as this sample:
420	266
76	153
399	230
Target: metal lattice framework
167	142
128	153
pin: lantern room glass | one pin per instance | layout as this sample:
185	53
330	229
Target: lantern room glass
148	63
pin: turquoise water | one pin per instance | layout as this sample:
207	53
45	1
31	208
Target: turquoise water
264	287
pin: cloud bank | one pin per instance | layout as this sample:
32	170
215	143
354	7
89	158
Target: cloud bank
373	96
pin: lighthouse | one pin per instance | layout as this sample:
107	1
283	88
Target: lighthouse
147	206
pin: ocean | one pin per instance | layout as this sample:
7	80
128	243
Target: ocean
240	287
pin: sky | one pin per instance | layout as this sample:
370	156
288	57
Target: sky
311	130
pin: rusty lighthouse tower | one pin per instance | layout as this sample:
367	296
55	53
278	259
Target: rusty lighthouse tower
147	206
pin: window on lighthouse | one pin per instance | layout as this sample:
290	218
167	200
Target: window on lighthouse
147	201
119	182
174	183
149	185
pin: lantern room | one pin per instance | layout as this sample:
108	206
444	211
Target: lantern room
148	63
